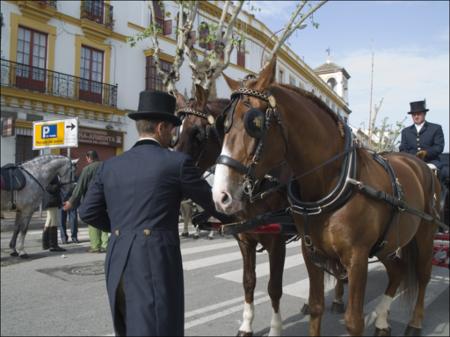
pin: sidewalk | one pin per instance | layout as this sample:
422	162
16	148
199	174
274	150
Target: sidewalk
37	221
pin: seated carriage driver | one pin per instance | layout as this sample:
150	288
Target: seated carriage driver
424	139
137	197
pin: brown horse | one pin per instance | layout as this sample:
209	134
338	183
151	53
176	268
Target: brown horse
199	138
334	194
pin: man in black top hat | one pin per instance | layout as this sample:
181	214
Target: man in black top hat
137	197
423	139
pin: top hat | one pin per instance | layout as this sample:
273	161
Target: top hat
418	106
157	105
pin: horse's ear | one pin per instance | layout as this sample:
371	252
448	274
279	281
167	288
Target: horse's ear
267	75
234	85
181	101
201	96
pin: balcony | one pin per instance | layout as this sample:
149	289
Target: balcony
22	76
40	10
97	11
96	19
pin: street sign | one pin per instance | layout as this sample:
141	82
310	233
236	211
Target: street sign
55	134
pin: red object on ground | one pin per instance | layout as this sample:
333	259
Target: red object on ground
441	250
267	229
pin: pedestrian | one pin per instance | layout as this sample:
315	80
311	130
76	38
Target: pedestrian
137	196
72	216
97	237
52	201
423	139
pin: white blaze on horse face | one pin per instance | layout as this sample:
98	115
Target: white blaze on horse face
223	186
382	312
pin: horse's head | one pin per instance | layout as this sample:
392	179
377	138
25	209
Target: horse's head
253	140
66	173
197	135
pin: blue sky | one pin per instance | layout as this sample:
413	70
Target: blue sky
410	41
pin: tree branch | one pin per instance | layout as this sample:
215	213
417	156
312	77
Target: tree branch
291	27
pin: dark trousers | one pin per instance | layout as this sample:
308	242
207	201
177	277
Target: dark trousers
73	222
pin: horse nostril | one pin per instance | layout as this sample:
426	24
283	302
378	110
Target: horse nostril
226	198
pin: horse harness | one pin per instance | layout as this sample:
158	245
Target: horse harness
342	192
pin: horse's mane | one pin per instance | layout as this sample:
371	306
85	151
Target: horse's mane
216	106
310	96
44	159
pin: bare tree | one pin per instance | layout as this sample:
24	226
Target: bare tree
214	61
187	11
387	135
296	22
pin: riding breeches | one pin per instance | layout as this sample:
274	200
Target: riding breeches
52	217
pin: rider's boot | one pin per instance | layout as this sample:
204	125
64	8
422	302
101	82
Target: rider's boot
53	240
45	238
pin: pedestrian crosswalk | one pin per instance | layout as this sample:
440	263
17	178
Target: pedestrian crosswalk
217	265
223	255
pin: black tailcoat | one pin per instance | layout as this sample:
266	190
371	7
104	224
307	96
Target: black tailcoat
430	138
137	197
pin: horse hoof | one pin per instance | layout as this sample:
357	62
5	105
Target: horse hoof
305	309
24	256
244	333
412	331
337	308
14	254
185	234
382	332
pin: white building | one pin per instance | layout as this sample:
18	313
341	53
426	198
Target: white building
65	59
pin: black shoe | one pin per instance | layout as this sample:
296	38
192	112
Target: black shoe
57	249
64	241
75	240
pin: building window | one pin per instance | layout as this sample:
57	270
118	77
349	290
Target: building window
280	75
164	25
32	59
93	10
292	80
91	73
152	80
241	54
332	83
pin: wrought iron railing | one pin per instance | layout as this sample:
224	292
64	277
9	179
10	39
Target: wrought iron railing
98	11
50	3
17	75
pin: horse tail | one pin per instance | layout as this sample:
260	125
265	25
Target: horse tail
409	284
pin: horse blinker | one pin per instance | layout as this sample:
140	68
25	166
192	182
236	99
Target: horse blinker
254	123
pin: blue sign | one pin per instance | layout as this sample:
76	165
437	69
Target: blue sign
49	131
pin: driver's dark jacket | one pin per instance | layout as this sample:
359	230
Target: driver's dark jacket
137	197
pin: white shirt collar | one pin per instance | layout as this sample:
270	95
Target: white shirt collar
150	138
419	126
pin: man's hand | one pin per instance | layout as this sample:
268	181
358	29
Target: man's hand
67	205
421	154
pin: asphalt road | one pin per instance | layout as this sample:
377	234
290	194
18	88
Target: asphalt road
64	294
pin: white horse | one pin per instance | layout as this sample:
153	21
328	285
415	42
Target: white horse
38	173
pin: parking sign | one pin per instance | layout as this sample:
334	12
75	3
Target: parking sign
55	134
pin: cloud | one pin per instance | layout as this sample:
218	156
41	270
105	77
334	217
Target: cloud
400	76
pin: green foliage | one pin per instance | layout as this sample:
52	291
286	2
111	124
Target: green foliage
388	135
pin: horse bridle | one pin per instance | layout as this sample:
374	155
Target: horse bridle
271	114
206	116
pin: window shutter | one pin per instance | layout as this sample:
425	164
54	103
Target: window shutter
167	27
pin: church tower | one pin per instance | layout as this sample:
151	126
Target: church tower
335	76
